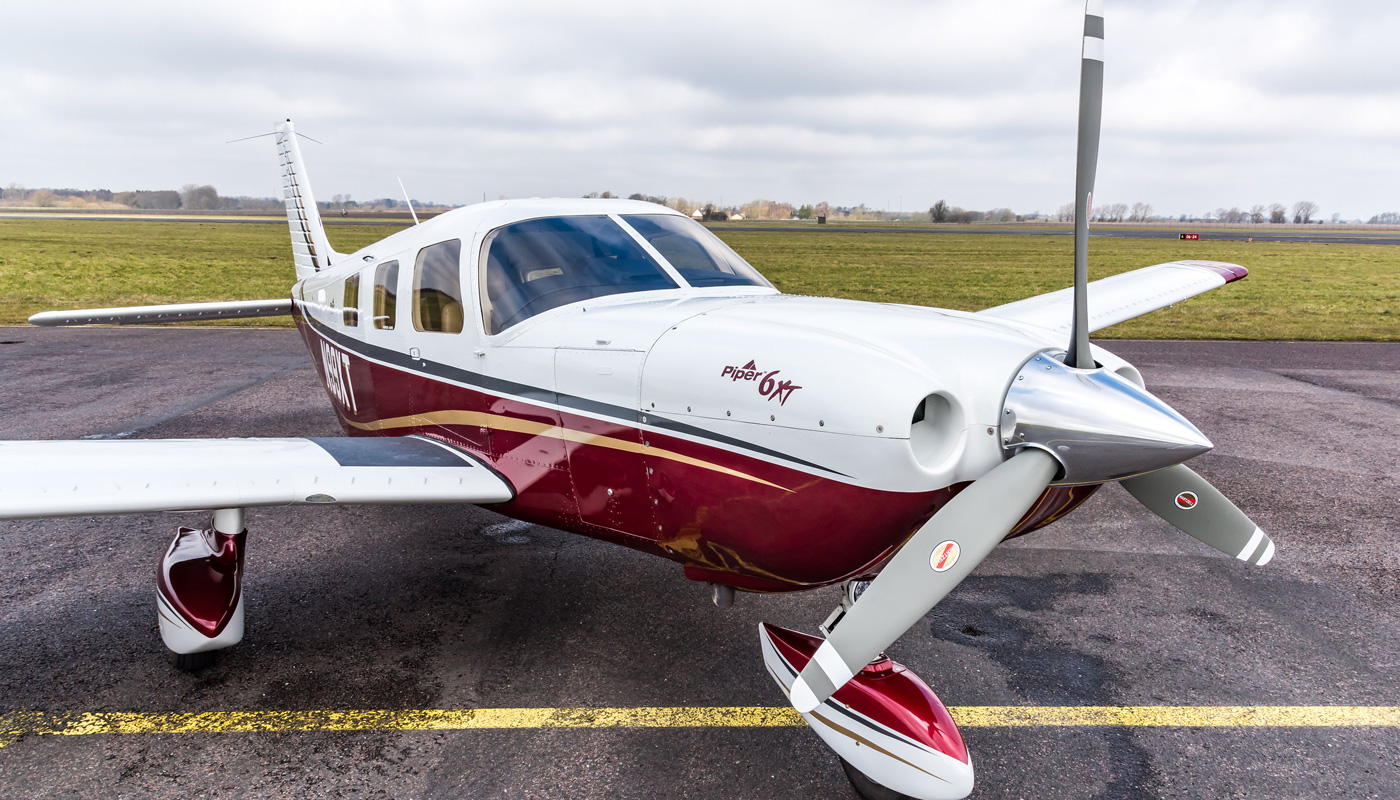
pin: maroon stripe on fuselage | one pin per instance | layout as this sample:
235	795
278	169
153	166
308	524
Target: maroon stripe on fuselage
779	529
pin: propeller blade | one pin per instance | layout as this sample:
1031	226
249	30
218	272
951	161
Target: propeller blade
1090	119
1186	500
928	567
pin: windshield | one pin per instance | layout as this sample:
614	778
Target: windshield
698	255
539	264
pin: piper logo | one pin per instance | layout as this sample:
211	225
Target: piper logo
768	384
944	556
1186	500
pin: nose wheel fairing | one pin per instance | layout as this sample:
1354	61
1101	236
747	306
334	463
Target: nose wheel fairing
885	722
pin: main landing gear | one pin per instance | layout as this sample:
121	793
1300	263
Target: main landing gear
894	737
199	590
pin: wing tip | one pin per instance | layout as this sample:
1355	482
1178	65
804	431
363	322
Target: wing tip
1230	272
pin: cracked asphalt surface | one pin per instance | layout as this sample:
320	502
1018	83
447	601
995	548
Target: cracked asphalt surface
447	607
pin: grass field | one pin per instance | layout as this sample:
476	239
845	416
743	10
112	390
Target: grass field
1294	290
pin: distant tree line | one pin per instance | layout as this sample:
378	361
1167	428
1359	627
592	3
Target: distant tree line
190	197
1304	212
761	209
197	197
942	212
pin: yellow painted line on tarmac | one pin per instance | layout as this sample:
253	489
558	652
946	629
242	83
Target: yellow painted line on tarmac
26	723
81	724
1178	716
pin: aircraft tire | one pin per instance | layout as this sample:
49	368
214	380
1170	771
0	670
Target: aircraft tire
192	662
867	788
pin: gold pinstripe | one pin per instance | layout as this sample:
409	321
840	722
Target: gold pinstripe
862	740
503	423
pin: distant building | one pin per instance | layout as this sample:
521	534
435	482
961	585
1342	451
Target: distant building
697	214
737	217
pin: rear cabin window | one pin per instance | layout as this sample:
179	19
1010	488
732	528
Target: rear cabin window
530	267
386	289
350	310
437	288
698	255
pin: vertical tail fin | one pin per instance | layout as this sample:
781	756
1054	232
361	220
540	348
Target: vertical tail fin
310	247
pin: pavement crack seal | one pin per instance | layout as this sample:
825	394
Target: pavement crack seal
17	724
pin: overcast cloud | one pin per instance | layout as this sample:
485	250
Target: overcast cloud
1208	104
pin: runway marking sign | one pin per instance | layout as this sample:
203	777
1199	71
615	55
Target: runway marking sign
44	723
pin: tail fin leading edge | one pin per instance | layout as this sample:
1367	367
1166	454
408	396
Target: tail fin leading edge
310	247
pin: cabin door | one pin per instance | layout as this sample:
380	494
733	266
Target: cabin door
599	391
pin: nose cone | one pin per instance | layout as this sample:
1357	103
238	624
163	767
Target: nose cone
1100	426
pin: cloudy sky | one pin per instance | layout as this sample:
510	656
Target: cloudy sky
1208	104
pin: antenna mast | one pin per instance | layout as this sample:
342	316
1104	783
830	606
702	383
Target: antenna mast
410	202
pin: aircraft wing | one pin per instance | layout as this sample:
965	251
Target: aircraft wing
177	312
131	476
1121	297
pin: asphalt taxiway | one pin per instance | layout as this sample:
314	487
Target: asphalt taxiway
443	610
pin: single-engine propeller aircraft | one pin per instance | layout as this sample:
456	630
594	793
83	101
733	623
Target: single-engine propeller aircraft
610	368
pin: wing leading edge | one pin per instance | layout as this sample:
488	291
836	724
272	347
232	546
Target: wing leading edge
1121	297
132	476
177	312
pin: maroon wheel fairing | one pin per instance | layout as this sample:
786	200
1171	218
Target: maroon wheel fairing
201	577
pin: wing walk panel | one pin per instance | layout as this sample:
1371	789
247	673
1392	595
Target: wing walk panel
80	478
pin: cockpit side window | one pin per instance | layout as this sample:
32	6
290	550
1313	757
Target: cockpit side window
698	255
530	267
350	309
386	289
437	288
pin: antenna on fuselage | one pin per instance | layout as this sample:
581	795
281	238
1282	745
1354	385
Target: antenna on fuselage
410	202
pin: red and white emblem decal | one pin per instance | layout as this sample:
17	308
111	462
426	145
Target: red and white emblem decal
1186	500
945	555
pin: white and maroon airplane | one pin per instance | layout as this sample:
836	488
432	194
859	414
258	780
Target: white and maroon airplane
610	368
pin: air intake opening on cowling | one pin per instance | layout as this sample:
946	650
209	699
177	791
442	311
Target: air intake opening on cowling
934	430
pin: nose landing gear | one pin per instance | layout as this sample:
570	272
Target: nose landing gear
893	735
